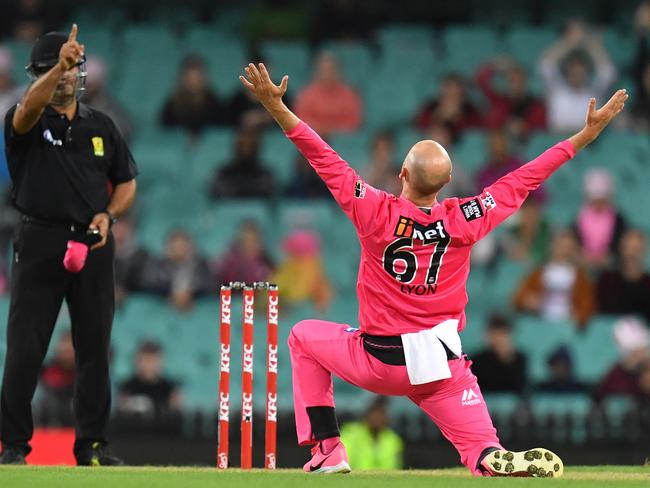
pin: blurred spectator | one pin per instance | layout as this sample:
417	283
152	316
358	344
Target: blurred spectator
641	101
625	289
10	94
451	108
305	182
181	274
57	385
131	260
300	277
148	392
514	108
461	185
575	69
193	105
500	367
559	289
328	103
26	20
501	160
561	378
96	95
599	225
633	340
245	176
371	443
243	110
529	233
381	171
246	259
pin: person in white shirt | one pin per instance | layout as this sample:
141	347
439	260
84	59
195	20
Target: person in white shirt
574	69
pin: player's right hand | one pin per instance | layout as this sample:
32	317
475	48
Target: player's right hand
258	81
71	52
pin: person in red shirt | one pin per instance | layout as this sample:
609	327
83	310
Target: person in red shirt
415	256
328	104
514	108
450	108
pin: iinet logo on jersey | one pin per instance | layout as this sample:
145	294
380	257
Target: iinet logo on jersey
469	398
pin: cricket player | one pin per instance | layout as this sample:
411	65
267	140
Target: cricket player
415	255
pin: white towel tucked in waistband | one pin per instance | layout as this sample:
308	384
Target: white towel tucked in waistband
426	358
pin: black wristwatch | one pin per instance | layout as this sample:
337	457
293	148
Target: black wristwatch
111	218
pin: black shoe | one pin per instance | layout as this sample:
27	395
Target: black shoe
97	454
12	455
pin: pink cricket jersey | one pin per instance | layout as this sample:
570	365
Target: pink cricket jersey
414	265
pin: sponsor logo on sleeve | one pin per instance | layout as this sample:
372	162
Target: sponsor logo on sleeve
359	189
472	210
488	201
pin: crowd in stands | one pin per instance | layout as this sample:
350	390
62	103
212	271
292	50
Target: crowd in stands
597	265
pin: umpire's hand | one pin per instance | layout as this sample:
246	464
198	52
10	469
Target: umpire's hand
103	223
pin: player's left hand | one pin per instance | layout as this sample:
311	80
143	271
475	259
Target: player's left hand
598	119
102	222
258	81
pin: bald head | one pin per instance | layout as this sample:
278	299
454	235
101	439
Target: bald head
426	169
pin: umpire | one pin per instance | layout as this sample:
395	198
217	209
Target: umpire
72	176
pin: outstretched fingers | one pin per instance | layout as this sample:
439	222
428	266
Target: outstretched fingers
246	83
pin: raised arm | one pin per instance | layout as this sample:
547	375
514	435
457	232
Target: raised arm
478	215
40	93
357	199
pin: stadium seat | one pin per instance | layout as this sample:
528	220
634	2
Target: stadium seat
594	350
212	151
279	155
468	46
538	339
502	406
291	58
355	59
526	44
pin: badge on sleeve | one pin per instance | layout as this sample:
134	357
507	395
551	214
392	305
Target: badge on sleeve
359	189
472	210
488	201
98	146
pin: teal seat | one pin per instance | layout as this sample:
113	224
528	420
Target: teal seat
353	147
537	339
616	408
471	151
20	52
279	155
594	350
213	151
291	58
526	44
468	46
355	60
620	46
502	406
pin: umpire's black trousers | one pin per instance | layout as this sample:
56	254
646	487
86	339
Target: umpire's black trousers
39	284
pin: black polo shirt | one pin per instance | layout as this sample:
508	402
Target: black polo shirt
63	170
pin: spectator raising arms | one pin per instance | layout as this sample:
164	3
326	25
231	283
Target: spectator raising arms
193	105
558	290
625	289
328	104
245	176
514	108
565	68
451	108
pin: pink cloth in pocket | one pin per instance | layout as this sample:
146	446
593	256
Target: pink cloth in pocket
75	257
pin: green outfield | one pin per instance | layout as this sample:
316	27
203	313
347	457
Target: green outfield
587	476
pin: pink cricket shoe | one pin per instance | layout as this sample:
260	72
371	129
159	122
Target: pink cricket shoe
334	462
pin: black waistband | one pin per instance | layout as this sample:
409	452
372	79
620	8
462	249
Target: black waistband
72	226
390	350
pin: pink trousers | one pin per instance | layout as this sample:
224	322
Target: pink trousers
319	349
